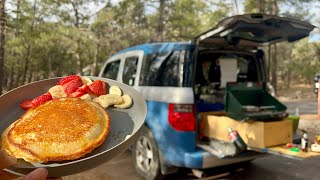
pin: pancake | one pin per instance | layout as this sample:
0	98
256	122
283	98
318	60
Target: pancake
58	130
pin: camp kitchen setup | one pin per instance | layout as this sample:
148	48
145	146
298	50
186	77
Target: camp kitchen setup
253	120
249	118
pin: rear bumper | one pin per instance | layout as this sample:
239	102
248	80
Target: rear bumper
202	159
210	161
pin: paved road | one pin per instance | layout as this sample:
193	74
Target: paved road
305	107
266	168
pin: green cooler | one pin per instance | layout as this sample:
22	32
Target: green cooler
252	101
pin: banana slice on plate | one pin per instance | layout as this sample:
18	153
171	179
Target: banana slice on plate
93	96
109	99
86	97
86	80
127	102
115	90
57	92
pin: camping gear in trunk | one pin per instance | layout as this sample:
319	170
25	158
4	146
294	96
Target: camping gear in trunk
251	101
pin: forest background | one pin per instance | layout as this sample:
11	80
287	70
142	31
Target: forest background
49	38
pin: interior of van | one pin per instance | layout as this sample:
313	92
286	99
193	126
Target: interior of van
215	69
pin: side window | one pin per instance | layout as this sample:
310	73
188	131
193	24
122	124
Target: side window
169	71
111	70
130	70
165	69
150	68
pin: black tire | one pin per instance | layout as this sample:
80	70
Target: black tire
145	156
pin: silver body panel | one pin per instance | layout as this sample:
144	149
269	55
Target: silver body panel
177	95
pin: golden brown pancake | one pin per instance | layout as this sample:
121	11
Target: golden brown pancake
61	129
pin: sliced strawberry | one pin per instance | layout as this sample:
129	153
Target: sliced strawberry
98	87
68	79
72	86
84	88
26	104
41	99
76	94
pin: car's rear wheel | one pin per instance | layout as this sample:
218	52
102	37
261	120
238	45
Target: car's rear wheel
145	156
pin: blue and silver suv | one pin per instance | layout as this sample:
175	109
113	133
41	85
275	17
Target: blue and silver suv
179	80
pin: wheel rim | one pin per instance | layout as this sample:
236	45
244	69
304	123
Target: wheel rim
144	154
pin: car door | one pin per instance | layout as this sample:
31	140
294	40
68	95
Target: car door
124	67
130	71
112	67
254	30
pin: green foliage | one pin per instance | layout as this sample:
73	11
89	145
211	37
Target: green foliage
306	59
184	21
47	38
289	63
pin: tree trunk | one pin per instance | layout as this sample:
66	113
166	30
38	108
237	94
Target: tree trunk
79	63
269	63
2	41
5	79
27	59
274	81
30	77
275	8
75	6
17	78
95	61
76	13
289	74
26	66
11	79
18	14
236	4
49	66
289	78
160	27
261	6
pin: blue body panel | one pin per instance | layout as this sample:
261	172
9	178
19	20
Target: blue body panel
178	148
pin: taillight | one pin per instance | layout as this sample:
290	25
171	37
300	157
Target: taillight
181	117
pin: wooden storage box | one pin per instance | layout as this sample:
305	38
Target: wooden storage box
255	134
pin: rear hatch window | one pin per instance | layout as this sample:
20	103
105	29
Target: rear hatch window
217	69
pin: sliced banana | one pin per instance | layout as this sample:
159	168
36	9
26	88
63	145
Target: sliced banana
57	92
93	96
86	97
95	99
127	102
86	80
115	90
109	99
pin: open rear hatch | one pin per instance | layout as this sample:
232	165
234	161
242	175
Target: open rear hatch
249	31
254	30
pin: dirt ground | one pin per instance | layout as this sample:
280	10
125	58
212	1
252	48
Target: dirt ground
296	92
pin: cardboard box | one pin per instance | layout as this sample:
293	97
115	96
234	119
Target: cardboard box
255	134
